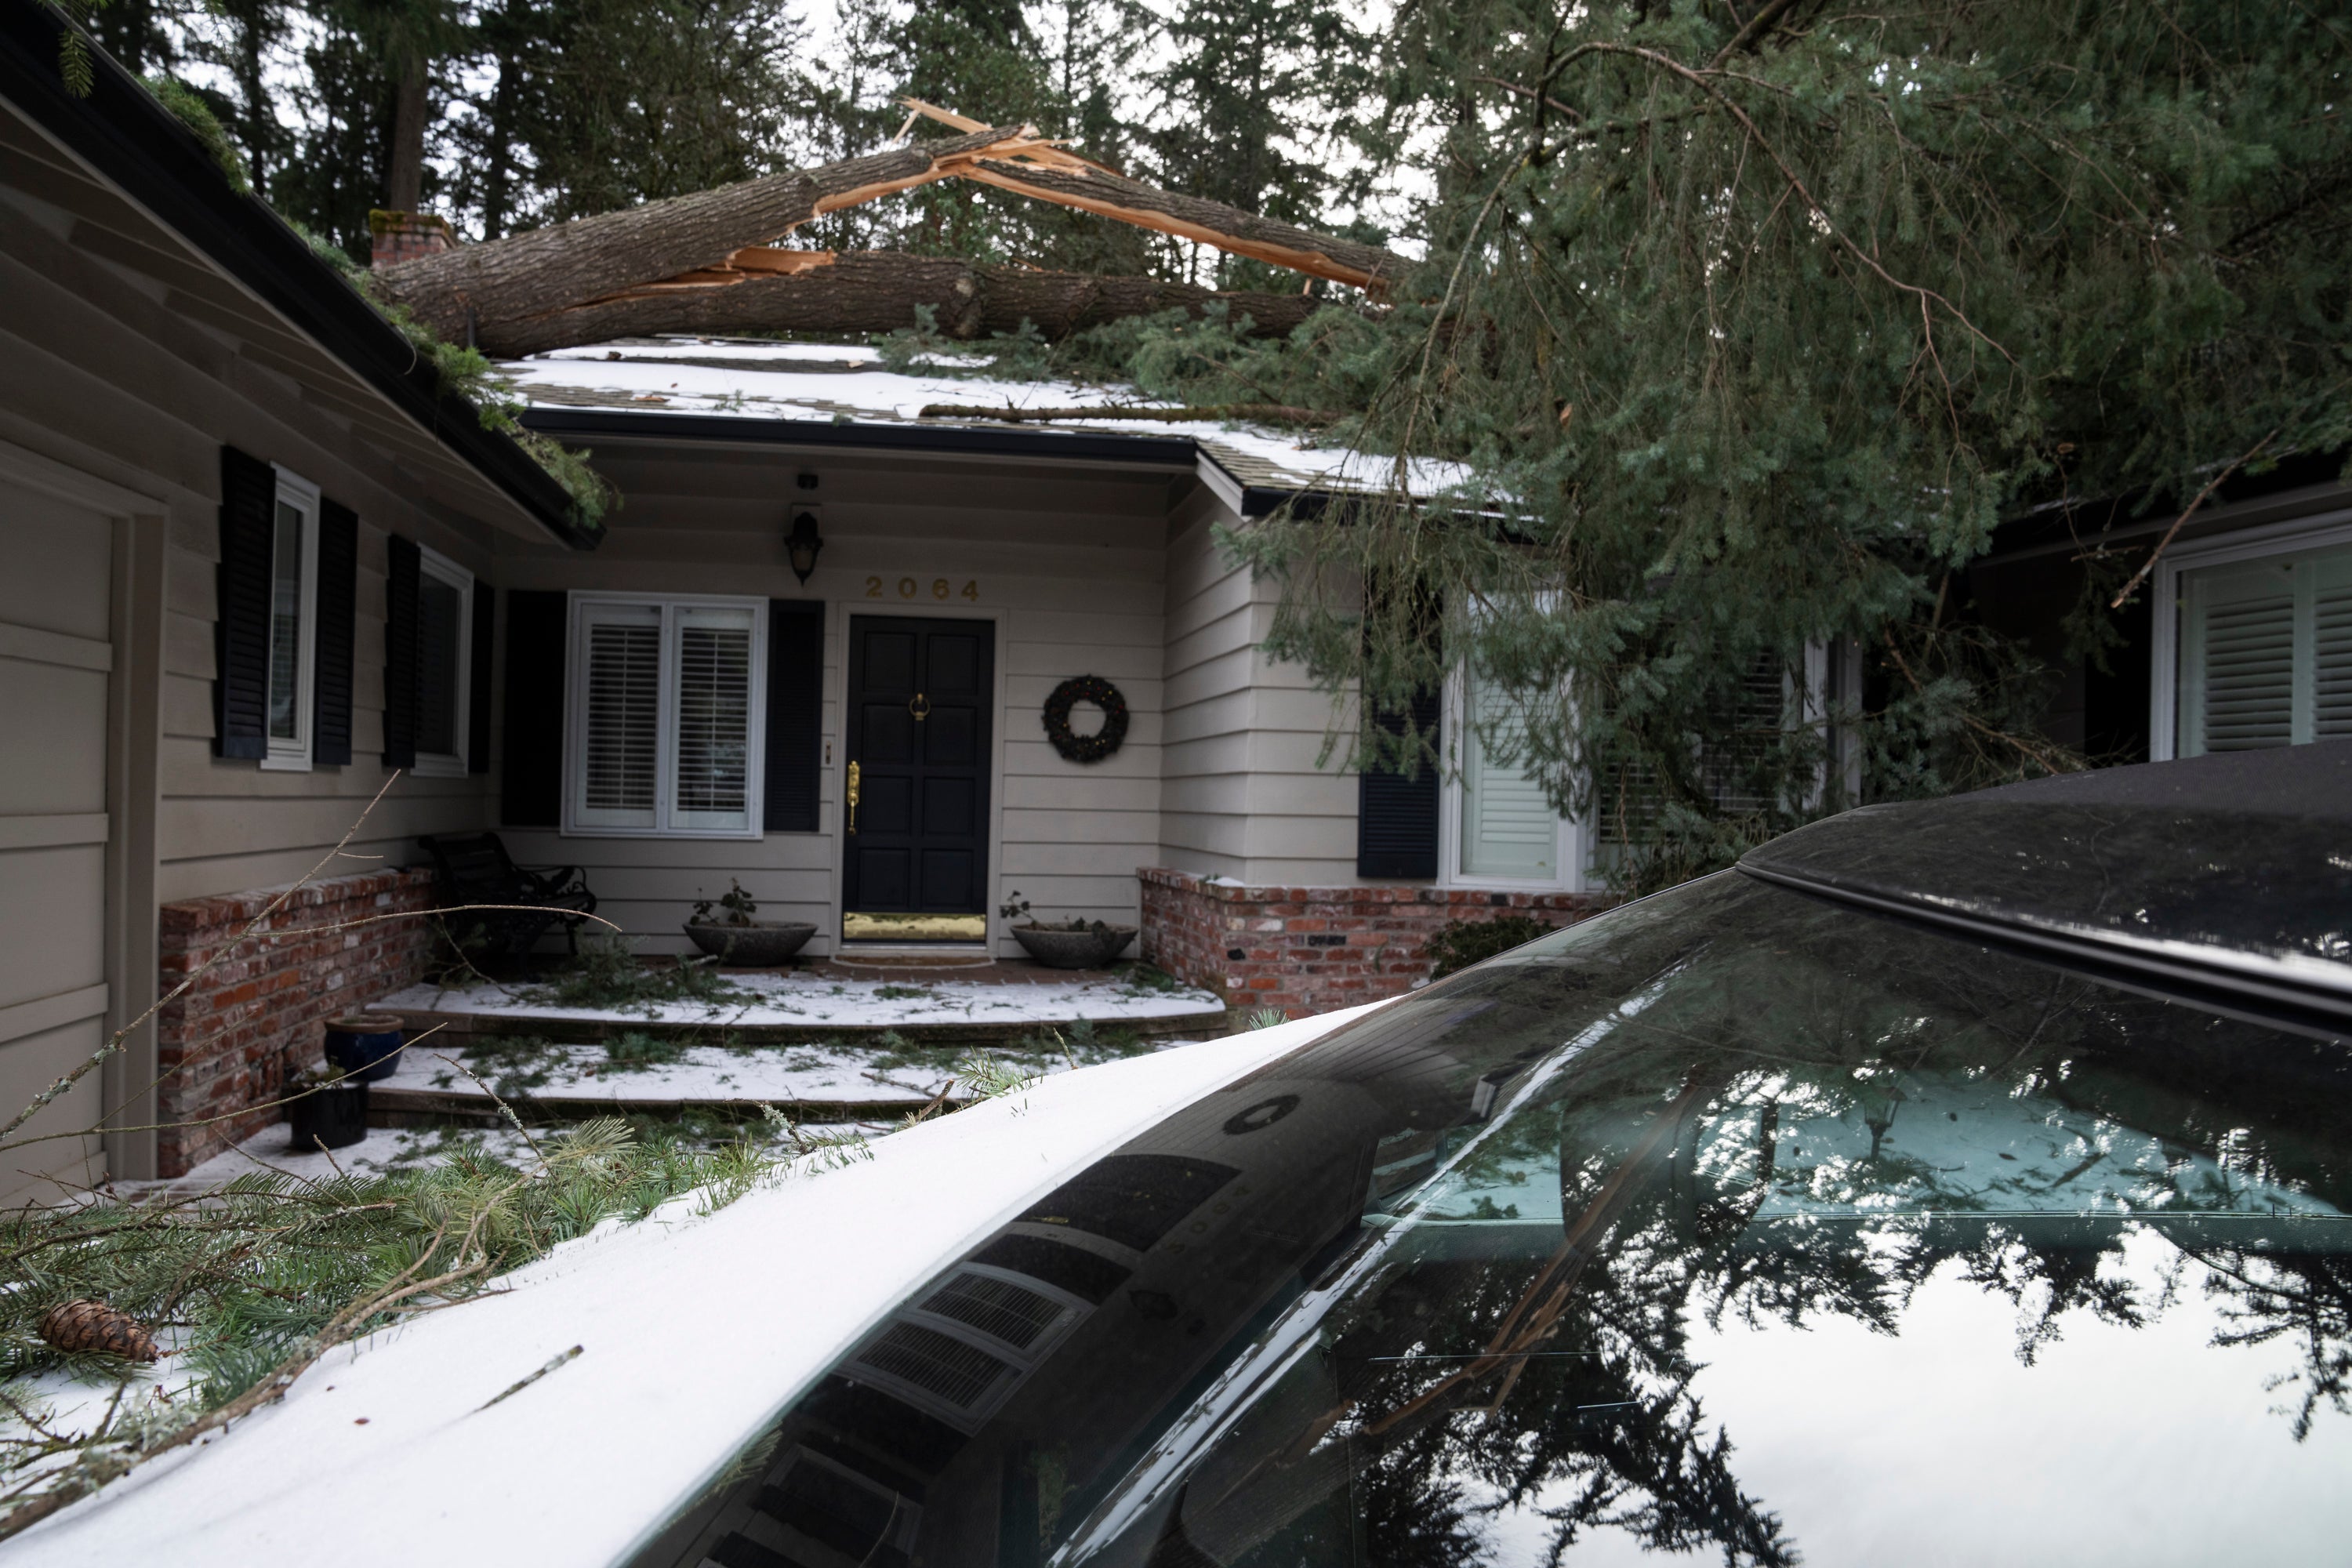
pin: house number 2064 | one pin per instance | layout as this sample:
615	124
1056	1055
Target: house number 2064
916	588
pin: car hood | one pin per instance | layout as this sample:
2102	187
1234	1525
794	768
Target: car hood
2232	870
695	1332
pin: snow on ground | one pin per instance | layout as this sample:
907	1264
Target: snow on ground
383	1149
744	1075
791	998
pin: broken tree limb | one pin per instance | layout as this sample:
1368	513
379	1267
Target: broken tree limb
1050	173
1264	412
485	288
878	291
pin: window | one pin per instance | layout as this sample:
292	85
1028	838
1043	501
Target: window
1506	830
293	615
445	658
665	725
1499	828
2265	652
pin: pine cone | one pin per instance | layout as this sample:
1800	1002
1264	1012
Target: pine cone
94	1326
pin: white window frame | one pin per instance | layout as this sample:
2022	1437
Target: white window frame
431	563
2321	531
294	756
575	716
1570	850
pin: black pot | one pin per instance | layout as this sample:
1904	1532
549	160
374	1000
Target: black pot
1085	947
334	1114
364	1046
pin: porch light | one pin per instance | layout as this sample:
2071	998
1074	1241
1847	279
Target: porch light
803	542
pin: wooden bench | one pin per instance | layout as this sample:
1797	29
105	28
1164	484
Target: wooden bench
474	869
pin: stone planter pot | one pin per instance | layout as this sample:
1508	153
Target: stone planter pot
1087	949
763	944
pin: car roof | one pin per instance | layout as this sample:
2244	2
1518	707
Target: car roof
2225	878
694	1334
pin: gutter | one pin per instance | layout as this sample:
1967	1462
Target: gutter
599	424
133	142
631	425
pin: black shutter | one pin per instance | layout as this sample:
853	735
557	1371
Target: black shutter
478	698
241	608
795	713
1396	816
401	636
338	588
530	770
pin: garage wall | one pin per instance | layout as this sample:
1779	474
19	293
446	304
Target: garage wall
105	378
1067	563
126	363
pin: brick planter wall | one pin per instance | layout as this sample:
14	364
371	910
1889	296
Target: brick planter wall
1309	949
232	1040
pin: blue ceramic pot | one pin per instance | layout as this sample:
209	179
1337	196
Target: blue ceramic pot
365	1044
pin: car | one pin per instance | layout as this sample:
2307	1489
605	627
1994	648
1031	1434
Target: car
1960	1181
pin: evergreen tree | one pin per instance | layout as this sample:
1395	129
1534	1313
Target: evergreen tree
1747	337
1245	100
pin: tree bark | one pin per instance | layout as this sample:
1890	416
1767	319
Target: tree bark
565	265
404	180
878	291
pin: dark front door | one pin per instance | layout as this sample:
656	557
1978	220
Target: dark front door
920	693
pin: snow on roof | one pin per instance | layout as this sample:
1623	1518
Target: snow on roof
827	384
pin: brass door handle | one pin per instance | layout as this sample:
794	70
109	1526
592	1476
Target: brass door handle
852	798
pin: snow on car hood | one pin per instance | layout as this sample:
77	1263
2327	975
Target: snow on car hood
696	1333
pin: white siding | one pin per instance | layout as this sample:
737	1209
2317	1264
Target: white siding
1244	795
1067	564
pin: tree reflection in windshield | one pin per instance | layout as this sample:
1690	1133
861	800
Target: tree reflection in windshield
1479	1278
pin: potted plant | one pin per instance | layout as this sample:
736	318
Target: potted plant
1063	944
327	1110
727	929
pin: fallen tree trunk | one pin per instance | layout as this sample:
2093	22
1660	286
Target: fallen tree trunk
878	291
482	288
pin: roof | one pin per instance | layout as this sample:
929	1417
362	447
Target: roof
146	196
733	389
2225	878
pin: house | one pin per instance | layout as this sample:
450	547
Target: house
260	566
890	670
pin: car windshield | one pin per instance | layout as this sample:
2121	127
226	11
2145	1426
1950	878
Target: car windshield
1734	1224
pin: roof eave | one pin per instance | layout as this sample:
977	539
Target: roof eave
131	142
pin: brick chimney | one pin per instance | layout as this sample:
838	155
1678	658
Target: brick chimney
404	236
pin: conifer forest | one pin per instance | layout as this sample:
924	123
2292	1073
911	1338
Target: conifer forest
1746	321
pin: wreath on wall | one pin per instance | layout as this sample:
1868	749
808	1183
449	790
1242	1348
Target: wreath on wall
1091	747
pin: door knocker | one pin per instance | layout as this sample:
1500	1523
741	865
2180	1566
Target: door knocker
920	707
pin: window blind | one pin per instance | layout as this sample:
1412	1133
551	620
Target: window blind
2266	653
624	714
1509	827
714	717
664	727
